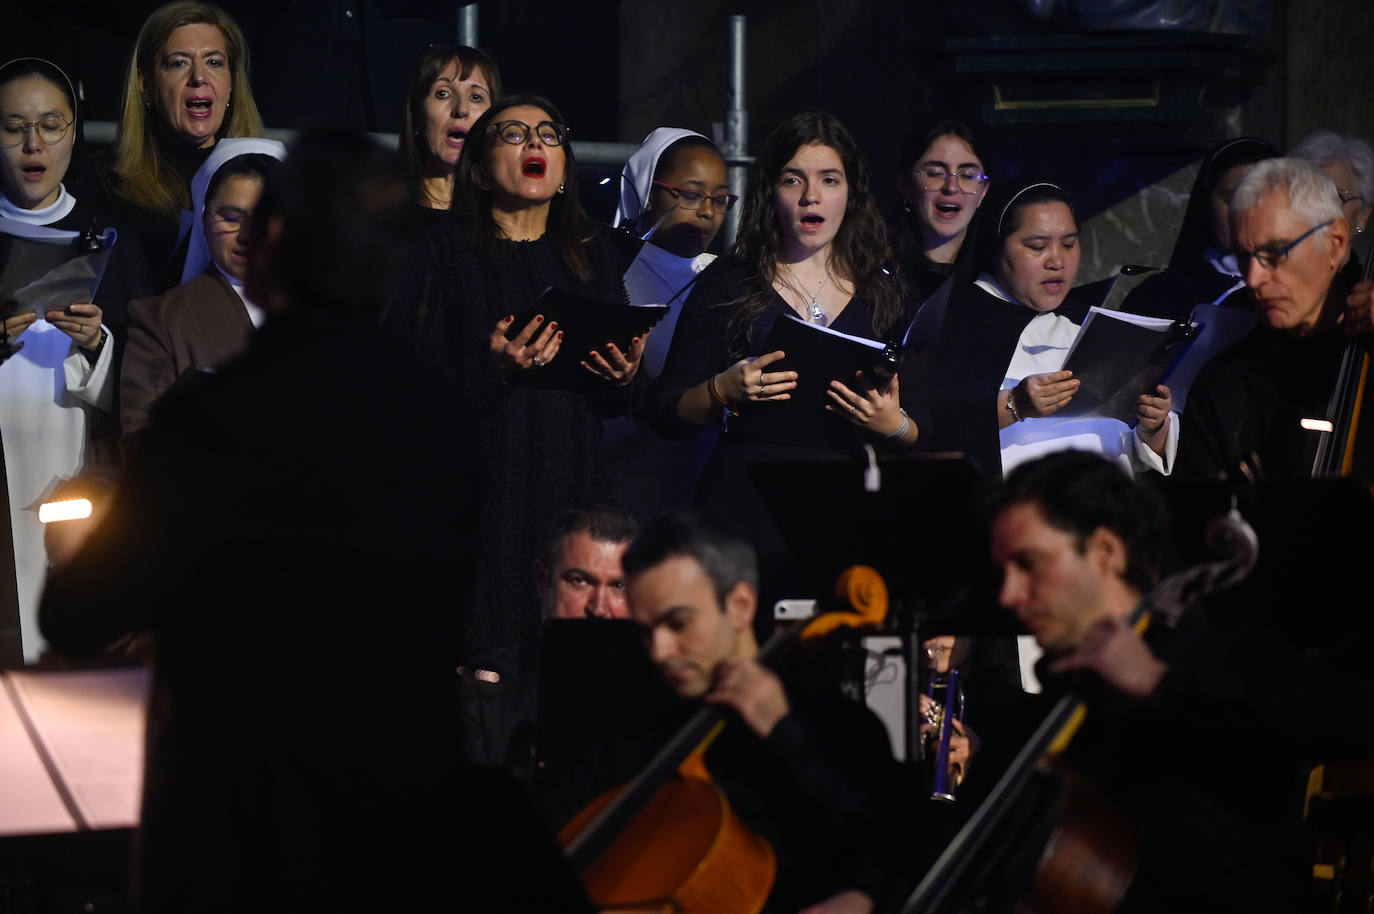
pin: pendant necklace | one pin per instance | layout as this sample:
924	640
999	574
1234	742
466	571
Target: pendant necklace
814	310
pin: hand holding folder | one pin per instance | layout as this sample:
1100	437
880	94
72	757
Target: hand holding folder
48	272
1117	356
587	325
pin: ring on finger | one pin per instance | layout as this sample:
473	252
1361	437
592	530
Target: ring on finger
537	362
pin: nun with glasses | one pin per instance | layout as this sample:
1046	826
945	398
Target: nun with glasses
58	361
674	196
206	321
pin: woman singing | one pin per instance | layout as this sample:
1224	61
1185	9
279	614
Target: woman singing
995	375
520	230
811	245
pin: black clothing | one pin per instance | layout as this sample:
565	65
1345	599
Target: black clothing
968	361
1190	279
1201	767
1175	292
699	350
538	451
1248	403
823	789
301	748
163	248
928	276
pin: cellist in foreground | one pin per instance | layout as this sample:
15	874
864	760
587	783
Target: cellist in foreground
1199	733
807	769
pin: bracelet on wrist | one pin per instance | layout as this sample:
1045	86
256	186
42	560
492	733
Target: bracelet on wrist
715	395
906	424
1011	405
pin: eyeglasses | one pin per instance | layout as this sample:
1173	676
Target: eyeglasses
968	178
517	133
1347	196
1272	255
695	199
50	130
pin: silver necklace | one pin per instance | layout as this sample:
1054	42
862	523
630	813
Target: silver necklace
814	310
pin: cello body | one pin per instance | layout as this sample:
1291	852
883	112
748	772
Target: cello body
669	840
702	858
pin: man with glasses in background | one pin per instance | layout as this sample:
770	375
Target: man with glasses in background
1261	408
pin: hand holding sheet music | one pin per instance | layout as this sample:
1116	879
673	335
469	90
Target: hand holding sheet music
1117	357
584	339
48	270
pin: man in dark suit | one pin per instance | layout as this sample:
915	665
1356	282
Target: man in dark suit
293	529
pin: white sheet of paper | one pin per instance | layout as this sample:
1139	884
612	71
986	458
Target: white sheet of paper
91	723
29	803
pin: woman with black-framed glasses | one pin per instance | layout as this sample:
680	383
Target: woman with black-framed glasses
60	368
519	230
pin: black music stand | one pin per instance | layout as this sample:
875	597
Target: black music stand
1316	540
920	527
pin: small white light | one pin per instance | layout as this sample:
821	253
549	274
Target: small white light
1318	425
71	509
605	181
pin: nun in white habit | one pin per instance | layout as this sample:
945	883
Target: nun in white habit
674	195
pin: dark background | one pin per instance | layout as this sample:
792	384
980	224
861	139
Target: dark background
618	68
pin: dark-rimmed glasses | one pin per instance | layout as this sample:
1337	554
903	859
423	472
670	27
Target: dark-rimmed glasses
968	178
1270	256
50	130
695	199
517	133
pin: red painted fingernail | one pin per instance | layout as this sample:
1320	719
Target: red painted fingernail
538	318
560	334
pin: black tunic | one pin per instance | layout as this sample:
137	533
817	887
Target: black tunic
539	450
968	361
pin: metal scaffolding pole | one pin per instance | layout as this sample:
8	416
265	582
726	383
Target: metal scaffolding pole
736	127
467	25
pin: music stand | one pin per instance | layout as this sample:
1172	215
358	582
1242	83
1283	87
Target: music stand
920	527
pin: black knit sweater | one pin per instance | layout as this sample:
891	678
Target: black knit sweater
540	450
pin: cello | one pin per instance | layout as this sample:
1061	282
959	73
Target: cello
668	840
1074	872
1336	449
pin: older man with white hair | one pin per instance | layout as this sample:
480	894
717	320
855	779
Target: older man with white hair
1260	409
